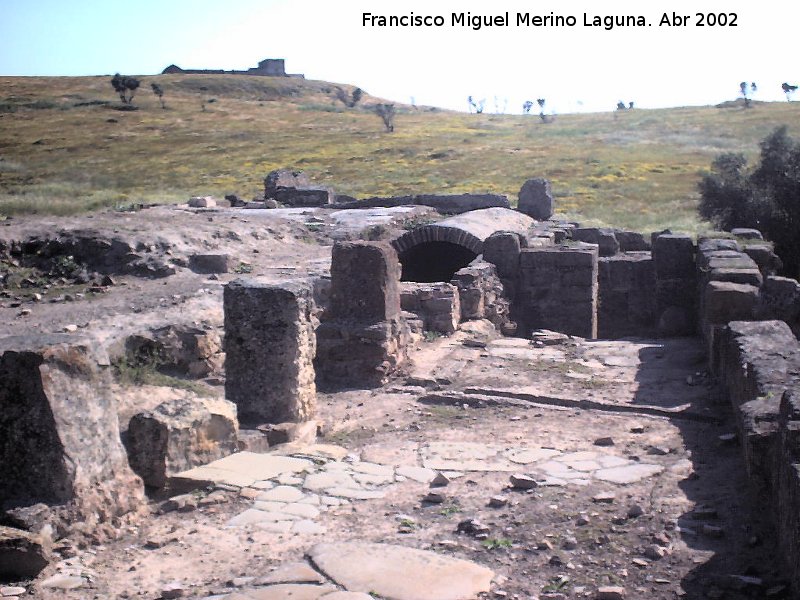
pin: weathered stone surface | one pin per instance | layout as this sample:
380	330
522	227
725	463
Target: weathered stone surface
460	203
384	570
285	433
558	289
293	591
242	469
605	239
763	255
780	299
741	276
436	304
270	344
180	434
211	263
318	196
673	255
59	430
284	178
177	349
502	250
725	301
626	299
631	241
536	199
785	484
202	202
481	293
747	234
22	554
365	278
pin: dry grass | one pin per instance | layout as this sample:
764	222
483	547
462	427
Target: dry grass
63	150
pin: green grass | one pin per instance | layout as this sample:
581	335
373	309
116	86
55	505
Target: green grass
64	148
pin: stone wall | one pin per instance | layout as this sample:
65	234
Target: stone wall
437	305
481	293
363	338
269	345
558	289
676	284
626	298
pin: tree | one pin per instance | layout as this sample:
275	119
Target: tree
542	116
743	90
527	106
766	197
349	100
125	86
789	90
158	91
386	112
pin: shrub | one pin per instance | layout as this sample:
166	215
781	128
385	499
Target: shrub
766	197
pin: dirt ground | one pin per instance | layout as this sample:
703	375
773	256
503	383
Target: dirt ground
684	525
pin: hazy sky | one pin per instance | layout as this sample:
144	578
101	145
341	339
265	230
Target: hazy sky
574	68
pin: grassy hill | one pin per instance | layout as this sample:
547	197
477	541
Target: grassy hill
65	146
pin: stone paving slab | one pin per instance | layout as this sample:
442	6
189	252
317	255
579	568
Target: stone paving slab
399	573
245	468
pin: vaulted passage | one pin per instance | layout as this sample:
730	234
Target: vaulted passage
434	261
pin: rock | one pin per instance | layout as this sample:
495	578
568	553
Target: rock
604	441
498	501
316	196
291	572
434	498
61	581
60	430
635	511
472	527
604	498
725	301
71	328
211	263
22	554
569	543
654	552
180	434
658	450
384	569
747	234
610	593
605	239
284	178
523	482
304	432
202	202
441	480
536	199
8	591
172	590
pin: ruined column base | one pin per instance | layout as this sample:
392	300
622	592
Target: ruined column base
352	354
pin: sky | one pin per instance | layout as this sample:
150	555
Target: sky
576	69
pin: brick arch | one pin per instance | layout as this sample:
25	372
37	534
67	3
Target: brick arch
438	233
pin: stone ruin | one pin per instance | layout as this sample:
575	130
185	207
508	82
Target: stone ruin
522	270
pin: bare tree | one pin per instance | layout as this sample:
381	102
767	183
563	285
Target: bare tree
349	100
158	91
386	112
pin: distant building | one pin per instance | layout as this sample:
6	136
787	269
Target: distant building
269	67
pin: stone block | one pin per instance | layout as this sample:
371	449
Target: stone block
743	276
673	256
726	301
536	199
632	241
284	178
605	239
365	279
297	197
460	203
202	202
502	250
747	234
23	555
59	430
779	299
180	434
269	345
211	263
481	293
763	255
712	244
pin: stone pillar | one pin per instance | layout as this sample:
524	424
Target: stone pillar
558	289
60	432
269	345
363	338
676	284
